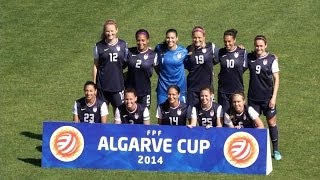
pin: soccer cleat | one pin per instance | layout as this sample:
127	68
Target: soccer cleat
277	155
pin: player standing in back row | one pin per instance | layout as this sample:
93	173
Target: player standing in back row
110	54
233	63
263	87
141	60
201	57
170	66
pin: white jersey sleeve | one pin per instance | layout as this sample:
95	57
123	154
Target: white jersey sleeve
117	115
253	113
245	61
104	109
275	66
75	109
155	61
193	113
159	113
227	119
220	112
146	114
95	53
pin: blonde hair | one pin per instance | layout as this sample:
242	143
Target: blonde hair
108	22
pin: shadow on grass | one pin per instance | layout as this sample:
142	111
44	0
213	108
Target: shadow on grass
33	161
32	135
39	148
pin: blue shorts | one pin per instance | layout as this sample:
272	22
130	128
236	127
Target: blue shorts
263	107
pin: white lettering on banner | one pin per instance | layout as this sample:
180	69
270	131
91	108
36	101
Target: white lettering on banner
145	144
122	146
135	144
153	132
152	145
167	144
179	146
103	143
197	146
112	148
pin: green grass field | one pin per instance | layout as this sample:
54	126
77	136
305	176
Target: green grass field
46	56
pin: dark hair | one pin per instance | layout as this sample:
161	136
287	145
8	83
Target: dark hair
142	31
108	21
208	88
231	32
167	32
89	83
174	87
130	90
261	37
172	30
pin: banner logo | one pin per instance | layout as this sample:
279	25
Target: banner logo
66	143
241	149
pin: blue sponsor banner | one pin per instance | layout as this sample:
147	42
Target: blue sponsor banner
156	148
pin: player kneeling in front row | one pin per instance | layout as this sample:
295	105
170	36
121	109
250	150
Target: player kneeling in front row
241	116
207	113
131	112
90	109
172	111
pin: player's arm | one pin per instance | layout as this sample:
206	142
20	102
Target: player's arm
254	115
104	113
245	61
228	121
157	59
216	54
94	70
95	64
273	100
76	118
117	117
276	82
258	122
75	113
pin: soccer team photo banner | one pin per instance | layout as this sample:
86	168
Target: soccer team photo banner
156	148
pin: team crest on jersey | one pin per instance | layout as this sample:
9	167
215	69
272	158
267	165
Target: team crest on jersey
179	112
265	62
211	113
204	50
145	57
136	115
118	48
95	109
236	54
179	55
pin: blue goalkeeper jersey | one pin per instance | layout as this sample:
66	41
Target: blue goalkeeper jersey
171	68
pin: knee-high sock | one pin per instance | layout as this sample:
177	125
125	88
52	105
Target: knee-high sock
273	130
